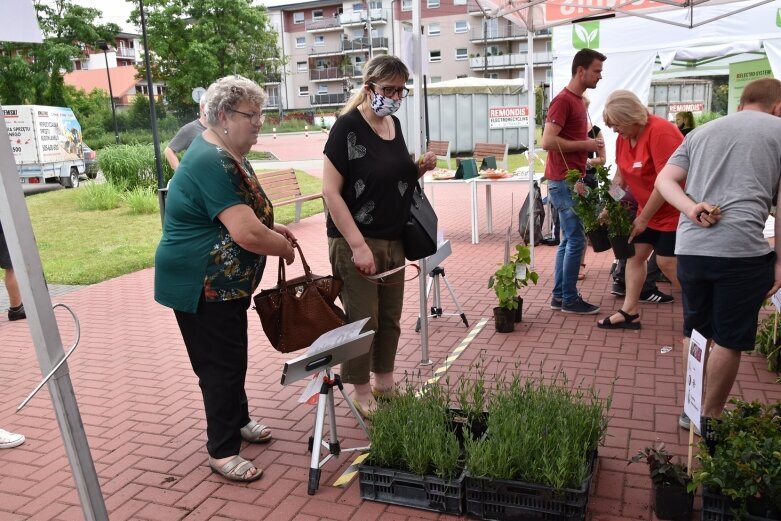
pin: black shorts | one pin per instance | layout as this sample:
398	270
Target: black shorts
663	242
5	257
722	297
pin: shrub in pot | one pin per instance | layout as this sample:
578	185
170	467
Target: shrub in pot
506	281
588	207
619	226
744	469
670	499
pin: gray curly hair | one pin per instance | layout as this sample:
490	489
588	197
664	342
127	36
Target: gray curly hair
226	93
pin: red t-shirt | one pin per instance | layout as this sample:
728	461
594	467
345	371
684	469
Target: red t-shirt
640	165
567	111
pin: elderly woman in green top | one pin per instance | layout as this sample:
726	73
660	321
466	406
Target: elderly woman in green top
219	227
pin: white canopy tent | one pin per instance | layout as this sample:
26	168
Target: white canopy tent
568	17
638	52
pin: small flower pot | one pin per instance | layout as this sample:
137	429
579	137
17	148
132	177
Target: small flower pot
504	320
621	248
672	502
519	310
599	239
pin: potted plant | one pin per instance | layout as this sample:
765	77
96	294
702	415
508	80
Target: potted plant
588	207
619	226
506	281
537	458
670	498
741	478
414	458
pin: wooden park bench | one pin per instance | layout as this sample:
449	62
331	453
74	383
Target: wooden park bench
281	187
498	150
441	149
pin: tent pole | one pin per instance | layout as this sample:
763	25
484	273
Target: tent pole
532	102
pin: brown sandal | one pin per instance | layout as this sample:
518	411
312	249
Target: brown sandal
253	432
628	322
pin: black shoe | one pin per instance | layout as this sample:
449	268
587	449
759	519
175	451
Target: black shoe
663	279
580	307
618	289
656	297
550	241
555	303
16	313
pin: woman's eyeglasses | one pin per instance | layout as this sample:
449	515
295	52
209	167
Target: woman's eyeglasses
255	118
389	92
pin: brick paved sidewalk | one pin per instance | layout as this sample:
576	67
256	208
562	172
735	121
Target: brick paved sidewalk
142	409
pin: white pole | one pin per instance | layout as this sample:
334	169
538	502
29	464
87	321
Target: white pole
532	102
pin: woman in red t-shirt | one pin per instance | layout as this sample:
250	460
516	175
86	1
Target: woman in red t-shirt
645	142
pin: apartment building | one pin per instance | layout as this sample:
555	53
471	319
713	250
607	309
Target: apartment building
325	43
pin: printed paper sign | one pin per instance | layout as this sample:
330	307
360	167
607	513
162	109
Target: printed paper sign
616	192
692	405
508	117
776	299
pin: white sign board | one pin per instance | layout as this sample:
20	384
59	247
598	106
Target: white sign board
776	299
198	93
692	404
21	22
508	117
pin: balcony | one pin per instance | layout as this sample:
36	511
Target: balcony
125	52
332	49
272	77
511	61
507	32
362	44
328	99
324	24
333	73
378	16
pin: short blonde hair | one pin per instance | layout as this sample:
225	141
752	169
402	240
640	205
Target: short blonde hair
624	108
226	93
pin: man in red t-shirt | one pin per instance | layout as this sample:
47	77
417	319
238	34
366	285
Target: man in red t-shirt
645	142
566	139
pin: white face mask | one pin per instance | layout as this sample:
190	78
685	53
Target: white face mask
384	106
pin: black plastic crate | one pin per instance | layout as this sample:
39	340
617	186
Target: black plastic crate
506	500
410	490
716	507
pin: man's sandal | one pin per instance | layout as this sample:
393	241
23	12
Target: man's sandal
255	432
236	469
627	323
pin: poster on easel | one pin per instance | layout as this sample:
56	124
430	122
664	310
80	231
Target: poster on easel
695	370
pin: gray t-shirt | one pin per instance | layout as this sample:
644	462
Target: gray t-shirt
735	163
184	138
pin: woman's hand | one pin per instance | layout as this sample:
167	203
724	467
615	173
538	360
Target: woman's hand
286	233
363	258
427	161
638	226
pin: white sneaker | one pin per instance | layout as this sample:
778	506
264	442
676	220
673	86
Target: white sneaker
9	440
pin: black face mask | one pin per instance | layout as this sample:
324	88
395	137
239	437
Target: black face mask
682	126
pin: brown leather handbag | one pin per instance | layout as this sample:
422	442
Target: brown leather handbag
296	312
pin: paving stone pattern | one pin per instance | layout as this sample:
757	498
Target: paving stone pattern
142	410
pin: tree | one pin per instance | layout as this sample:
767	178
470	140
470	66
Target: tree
33	73
194	42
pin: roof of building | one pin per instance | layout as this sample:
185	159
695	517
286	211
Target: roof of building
123	79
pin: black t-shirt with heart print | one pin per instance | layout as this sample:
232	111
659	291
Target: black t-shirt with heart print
379	176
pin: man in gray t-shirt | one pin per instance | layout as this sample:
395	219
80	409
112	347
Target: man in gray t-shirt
731	167
185	136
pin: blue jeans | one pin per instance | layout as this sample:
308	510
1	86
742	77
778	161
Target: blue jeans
573	241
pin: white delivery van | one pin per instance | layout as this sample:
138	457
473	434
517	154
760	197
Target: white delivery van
46	142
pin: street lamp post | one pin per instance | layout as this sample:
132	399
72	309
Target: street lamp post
104	46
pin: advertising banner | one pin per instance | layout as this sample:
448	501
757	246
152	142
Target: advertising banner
508	117
741	73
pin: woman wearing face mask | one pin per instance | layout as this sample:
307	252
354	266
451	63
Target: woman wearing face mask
368	179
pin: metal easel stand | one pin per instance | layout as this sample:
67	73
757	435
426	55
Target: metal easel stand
436	306
325	403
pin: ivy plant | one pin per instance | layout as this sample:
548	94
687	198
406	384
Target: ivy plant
511	276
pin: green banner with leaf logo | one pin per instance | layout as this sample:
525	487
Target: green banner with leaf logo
585	35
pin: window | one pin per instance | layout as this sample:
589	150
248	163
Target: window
301	66
303	90
357	7
436	79
492	75
322	89
432	4
375	4
357	33
435	56
433	29
461	76
317	14
300	42
406	5
298	18
461	26
319	40
461	54
459	2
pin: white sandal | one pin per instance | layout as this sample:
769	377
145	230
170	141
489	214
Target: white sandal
253	432
235	469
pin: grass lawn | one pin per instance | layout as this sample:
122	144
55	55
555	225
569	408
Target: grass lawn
81	247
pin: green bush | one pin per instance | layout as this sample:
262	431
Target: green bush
141	200
98	196
132	166
705	117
